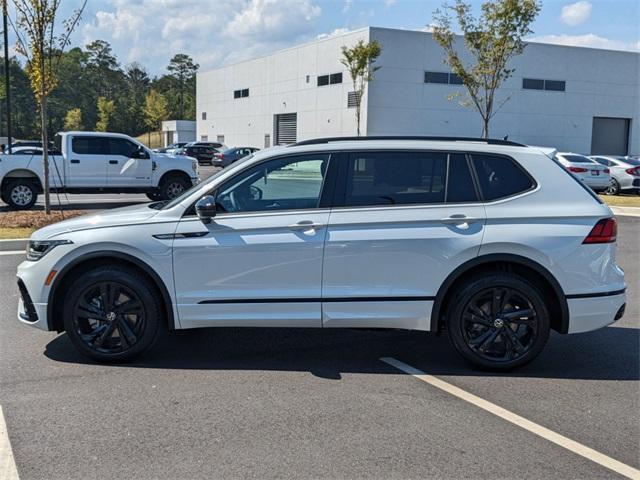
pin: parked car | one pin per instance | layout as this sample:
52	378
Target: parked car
490	240
216	145
625	173
595	176
203	154
94	162
226	157
170	149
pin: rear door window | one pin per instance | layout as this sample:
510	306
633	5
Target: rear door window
85	145
395	178
500	177
460	186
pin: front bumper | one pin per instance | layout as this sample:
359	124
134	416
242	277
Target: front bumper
591	313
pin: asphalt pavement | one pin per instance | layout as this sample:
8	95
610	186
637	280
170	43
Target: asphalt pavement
293	403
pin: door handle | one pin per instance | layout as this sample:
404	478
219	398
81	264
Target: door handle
458	219
113	162
75	161
306	225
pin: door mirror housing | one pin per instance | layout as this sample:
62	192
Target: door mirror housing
141	153
206	208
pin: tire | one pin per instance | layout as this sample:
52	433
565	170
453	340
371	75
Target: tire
173	186
613	188
109	334
153	196
20	194
480	330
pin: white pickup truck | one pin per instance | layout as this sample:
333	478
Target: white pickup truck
95	162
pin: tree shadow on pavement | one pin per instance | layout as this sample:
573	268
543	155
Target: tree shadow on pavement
611	353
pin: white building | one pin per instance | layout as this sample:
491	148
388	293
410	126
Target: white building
174	131
572	98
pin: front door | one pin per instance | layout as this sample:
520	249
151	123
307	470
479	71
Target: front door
404	221
124	167
259	262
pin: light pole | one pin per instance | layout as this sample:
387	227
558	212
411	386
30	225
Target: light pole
6	73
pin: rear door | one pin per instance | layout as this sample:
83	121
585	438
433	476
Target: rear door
87	162
124	167
403	221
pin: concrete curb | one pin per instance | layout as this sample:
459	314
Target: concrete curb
626	211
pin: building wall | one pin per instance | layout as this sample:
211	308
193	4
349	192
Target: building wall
598	83
278	84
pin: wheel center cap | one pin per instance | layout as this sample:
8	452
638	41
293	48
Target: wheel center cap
111	316
498	323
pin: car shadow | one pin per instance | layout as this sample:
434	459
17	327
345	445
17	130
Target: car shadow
611	353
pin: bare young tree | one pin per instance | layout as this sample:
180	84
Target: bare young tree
492	40
359	61
42	41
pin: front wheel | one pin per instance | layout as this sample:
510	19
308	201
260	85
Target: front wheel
173	186
613	188
498	321
112	314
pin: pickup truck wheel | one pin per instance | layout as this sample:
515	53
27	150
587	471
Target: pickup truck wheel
173	187
20	194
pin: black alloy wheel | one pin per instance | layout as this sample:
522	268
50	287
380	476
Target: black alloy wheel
498	321
112	313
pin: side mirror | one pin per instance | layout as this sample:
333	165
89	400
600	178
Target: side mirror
206	208
141	153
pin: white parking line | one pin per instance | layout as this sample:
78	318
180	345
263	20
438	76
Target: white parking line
12	252
575	447
8	470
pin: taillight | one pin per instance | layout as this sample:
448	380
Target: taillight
604	231
577	169
606	170
219	155
633	171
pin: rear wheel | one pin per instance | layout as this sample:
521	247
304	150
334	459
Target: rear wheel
112	314
20	194
173	186
613	188
498	321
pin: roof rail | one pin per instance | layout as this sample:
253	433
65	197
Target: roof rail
488	141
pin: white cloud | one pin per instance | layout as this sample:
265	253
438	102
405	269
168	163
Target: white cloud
588	40
388	3
347	6
335	33
576	13
152	31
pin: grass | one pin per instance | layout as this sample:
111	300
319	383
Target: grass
23	224
622	200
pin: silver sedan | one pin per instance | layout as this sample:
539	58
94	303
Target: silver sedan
625	173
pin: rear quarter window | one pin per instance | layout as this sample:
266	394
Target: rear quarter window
500	177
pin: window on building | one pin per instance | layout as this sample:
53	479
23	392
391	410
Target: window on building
267	140
204	115
241	93
331	79
352	100
554	85
500	177
540	84
204	138
308	78
396	178
445	78
220	139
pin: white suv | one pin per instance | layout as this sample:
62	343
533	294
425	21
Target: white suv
490	241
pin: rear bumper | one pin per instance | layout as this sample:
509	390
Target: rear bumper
593	312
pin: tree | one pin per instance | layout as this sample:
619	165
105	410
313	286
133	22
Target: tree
359	61
42	45
155	110
493	40
183	70
105	112
137	87
73	120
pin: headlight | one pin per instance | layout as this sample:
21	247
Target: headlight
194	165
36	249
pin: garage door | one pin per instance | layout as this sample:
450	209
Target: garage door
285	128
610	136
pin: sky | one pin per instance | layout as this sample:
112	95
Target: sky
217	32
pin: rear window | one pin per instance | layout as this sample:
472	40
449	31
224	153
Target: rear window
500	177
631	161
577	159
